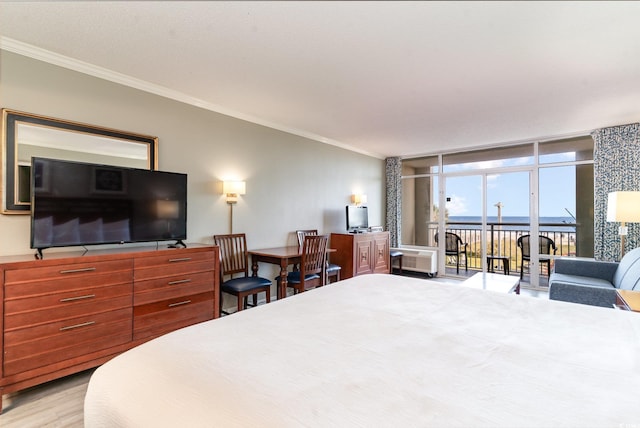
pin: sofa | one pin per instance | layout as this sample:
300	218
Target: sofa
592	282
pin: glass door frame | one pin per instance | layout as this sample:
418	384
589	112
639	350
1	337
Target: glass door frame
532	170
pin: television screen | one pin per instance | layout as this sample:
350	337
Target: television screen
74	203
357	218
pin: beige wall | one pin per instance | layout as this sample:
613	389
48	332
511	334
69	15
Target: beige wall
292	182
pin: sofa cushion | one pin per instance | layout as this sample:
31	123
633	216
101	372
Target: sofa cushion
586	267
579	280
584	294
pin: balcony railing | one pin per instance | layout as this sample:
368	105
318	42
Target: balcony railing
502	240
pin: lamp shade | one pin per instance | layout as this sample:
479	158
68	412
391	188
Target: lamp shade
358	199
624	207
234	187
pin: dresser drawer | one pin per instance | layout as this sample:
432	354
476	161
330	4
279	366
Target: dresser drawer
158	318
67	271
70	285
154	290
50	343
175	258
142	274
19	313
64	298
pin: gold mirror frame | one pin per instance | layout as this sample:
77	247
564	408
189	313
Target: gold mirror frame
25	135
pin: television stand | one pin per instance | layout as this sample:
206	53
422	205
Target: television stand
358	231
179	244
38	255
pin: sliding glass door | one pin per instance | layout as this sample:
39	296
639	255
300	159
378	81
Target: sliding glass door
512	209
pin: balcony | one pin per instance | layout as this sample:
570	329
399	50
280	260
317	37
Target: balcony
502	240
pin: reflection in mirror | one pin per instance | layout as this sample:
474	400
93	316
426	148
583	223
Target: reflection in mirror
27	135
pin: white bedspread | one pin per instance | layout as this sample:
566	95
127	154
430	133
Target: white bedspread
383	350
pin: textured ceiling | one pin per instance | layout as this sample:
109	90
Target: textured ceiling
382	78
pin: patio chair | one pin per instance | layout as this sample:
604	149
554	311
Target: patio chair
545	245
454	247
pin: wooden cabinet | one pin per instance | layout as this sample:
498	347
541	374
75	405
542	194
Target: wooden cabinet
360	253
69	312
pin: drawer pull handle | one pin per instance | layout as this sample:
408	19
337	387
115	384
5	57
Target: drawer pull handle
73	299
182	259
180	281
89	269
186	302
71	327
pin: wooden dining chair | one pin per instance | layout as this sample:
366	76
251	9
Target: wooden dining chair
234	261
312	272
333	270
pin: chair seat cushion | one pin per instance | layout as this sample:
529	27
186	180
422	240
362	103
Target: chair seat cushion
333	268
238	285
294	277
395	253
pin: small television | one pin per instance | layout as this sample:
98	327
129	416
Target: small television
77	204
357	218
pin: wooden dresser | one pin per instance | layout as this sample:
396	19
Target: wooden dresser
70	312
360	253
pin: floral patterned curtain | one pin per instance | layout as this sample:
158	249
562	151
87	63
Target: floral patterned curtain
616	167
394	199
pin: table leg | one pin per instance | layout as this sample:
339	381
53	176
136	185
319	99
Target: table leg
254	265
282	289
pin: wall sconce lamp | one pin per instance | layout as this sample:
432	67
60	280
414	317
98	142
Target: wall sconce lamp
358	199
232	189
623	207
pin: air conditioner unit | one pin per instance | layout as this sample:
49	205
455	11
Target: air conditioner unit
419	259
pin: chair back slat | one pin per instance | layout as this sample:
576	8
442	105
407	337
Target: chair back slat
314	251
233	253
302	233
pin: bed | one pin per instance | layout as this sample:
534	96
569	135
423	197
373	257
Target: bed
382	350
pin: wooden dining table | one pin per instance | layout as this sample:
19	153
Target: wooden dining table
280	256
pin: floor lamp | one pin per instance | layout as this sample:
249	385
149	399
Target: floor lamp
232	189
623	207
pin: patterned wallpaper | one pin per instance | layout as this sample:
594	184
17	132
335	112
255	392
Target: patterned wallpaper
394	199
616	167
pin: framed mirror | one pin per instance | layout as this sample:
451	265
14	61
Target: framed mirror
25	135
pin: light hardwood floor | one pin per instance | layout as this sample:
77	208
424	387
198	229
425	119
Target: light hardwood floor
59	403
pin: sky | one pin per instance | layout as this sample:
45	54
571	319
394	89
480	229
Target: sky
556	193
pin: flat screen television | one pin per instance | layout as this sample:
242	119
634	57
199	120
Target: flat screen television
77	204
357	218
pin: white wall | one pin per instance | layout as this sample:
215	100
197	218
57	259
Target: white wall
292	182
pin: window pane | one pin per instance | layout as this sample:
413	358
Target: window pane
489	158
574	149
464	219
507	218
566	208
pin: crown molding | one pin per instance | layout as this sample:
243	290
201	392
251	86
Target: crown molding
44	55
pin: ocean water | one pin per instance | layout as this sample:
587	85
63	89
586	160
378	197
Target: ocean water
514	222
